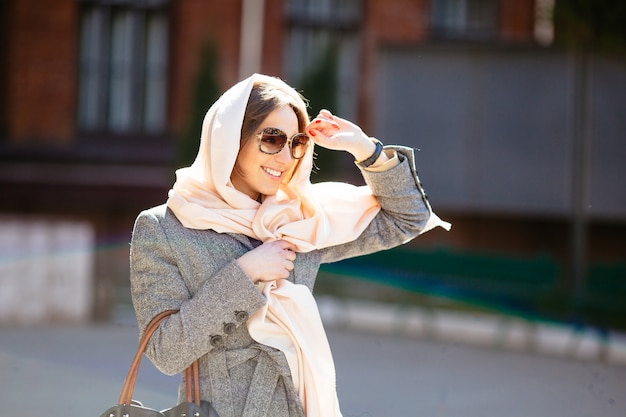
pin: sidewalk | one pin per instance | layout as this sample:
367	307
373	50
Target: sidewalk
476	329
390	360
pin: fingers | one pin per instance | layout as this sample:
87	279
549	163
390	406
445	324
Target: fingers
326	115
287	252
324	120
269	261
286	245
333	119
288	267
327	125
323	131
288	255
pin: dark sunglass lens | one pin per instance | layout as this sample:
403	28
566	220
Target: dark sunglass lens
298	145
300	139
272	140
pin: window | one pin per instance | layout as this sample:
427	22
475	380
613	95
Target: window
123	67
316	26
467	19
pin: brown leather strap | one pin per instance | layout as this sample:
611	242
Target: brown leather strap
192	378
128	387
188	387
196	382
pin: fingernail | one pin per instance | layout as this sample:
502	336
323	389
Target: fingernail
312	133
335	125
318	121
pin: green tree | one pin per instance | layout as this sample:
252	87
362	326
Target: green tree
319	85
591	24
205	93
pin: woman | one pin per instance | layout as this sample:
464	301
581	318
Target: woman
237	247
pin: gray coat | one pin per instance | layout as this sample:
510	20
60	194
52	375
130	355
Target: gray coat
195	271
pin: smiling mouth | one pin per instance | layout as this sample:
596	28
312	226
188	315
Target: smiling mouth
274	173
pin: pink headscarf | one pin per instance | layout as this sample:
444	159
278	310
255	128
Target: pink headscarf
308	215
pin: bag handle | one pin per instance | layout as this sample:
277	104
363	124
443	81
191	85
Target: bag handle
193	383
126	396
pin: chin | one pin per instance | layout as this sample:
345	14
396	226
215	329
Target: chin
269	192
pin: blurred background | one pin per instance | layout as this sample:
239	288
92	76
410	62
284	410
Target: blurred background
517	109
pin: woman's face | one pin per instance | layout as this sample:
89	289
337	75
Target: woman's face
256	173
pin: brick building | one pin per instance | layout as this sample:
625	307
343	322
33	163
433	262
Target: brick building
96	94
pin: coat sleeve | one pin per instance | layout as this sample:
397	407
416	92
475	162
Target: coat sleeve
225	297
404	212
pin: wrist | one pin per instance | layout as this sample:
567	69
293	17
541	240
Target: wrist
244	266
373	156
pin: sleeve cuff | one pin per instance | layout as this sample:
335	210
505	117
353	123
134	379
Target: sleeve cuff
392	162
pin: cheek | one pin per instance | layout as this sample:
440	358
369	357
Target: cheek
238	171
243	163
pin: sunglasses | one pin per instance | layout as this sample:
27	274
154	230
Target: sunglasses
273	140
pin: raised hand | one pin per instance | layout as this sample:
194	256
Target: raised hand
333	132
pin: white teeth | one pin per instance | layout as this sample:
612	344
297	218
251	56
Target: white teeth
272	172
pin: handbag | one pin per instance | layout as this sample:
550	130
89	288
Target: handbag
192	407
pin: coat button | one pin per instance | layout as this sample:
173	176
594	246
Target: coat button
229	328
216	340
241	316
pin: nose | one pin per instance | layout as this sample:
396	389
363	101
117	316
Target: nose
284	156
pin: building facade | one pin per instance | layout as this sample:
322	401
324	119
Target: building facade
97	94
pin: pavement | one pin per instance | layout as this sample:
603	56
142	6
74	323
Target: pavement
391	361
495	331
